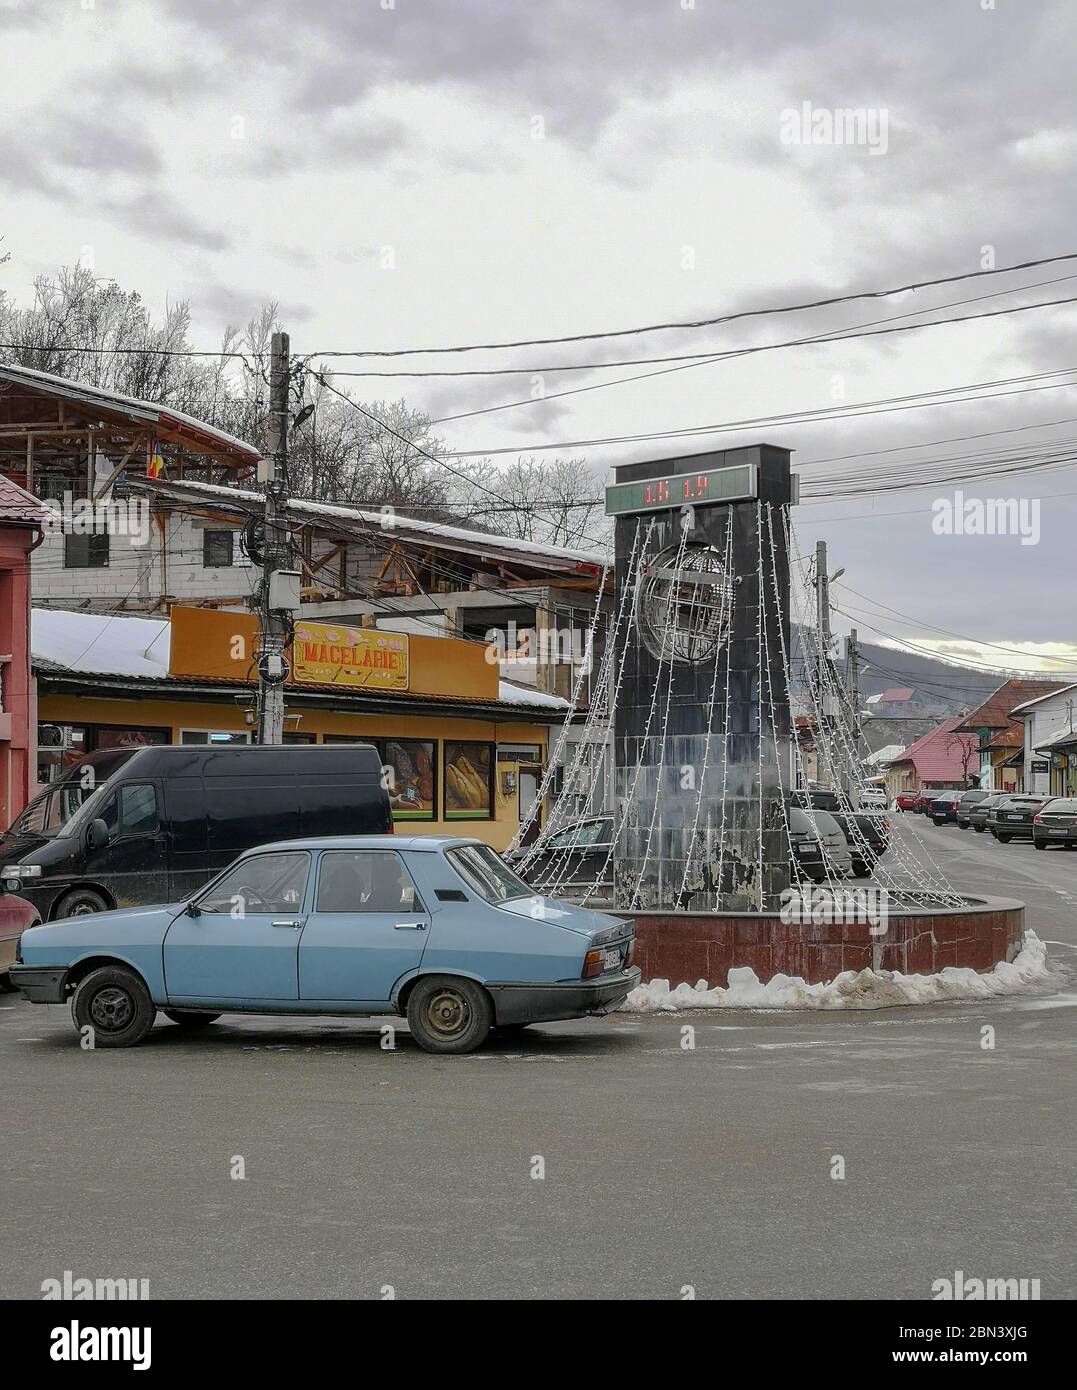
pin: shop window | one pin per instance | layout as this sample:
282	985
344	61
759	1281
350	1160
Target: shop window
468	780
410	777
213	736
86	552
218	549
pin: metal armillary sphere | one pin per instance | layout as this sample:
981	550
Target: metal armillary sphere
683	604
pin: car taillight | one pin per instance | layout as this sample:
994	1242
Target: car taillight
1038	820
593	964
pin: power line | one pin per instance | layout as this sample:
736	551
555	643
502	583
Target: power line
702	323
829	337
948	395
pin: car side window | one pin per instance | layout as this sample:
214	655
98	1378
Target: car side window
138	809
365	880
263	883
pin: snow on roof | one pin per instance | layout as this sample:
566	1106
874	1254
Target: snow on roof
403	523
107	644
115	400
884	755
101	643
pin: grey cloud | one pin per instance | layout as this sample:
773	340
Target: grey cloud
163	219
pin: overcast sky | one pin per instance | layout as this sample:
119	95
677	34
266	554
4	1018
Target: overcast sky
405	173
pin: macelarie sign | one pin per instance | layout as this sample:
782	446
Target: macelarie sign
352	657
739	483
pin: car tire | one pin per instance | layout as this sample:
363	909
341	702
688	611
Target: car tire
6	987
938	820
447	1014
1040	844
80	902
979	829
1003	839
115	1003
191	1021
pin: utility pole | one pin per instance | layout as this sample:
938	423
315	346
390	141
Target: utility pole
822	622
273	609
852	650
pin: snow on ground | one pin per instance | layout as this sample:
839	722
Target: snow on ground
852	989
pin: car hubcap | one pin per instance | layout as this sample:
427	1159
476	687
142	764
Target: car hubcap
448	1013
83	909
112	1010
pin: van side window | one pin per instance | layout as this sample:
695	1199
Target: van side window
138	809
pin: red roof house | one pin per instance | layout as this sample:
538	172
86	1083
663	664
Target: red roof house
942	758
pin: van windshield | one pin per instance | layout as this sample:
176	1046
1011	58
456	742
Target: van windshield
90	808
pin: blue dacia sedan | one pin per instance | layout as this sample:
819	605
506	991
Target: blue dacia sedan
437	928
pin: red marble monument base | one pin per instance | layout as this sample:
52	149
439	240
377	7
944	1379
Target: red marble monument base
684	947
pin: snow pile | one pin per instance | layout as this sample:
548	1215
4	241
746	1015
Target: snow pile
852	989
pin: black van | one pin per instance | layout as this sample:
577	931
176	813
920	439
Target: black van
154	824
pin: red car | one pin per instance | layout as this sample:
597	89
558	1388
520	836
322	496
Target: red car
905	801
16	914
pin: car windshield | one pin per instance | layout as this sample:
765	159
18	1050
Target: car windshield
484	871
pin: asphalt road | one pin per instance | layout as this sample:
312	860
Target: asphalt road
664	1167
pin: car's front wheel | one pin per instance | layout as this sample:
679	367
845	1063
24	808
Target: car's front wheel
449	1015
191	1021
115	1005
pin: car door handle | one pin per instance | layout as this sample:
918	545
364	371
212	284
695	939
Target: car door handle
409	926
293	922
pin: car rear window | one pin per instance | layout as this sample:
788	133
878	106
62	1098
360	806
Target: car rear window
486	873
1062	804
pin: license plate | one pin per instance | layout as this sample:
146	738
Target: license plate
611	960
1012	815
1058	832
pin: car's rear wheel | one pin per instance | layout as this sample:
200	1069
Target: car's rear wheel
1003	839
449	1015
116	1005
80	902
979	829
6	987
191	1021
1040	844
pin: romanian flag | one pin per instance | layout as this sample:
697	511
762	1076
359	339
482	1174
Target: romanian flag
156	464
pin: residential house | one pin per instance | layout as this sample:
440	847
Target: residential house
1050	742
945	758
1001	737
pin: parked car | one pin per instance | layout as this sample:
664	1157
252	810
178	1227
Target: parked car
164	820
16	915
867	833
874	798
574	859
1012	817
1055	823
946	806
924	799
439	928
905	801
820	849
978	812
965	805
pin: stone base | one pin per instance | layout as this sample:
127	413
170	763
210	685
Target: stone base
684	947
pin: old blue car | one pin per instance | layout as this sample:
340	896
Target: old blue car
439	929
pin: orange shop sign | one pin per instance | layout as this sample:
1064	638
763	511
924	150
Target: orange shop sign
354	657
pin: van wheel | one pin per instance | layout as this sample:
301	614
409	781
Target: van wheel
80	902
449	1015
191	1021
116	1005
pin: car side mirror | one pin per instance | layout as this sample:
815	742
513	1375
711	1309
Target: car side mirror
97	835
192	909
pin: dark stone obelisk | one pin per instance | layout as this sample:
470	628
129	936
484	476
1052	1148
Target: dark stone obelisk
697	747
